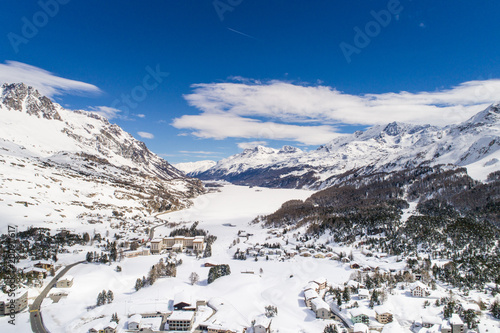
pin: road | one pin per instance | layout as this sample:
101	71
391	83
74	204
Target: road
35	314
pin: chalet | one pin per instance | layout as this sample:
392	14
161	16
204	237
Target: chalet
312	285
320	308
262	324
360	328
184	302
180	321
309	295
65	282
134	322
321	282
418	289
305	254
363	293
383	315
35	273
319	255
360	315
45	264
14	304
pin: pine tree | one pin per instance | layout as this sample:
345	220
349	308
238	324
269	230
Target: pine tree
110	296
331	328
346	295
114	317
153	275
495	309
470	318
138	284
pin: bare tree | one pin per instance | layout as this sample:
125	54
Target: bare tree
194	277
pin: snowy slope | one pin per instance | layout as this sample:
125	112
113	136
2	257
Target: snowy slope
57	164
194	168
474	144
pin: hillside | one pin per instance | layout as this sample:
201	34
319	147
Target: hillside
59	165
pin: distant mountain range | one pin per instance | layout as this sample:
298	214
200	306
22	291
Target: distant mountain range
474	144
54	159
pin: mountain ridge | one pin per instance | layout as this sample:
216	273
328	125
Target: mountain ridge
473	143
77	159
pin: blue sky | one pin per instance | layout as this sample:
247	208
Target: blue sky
243	72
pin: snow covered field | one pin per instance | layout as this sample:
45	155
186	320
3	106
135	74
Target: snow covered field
241	296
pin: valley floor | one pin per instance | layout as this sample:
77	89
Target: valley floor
250	287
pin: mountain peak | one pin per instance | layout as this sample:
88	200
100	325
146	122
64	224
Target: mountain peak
491	115
259	149
289	150
24	98
393	129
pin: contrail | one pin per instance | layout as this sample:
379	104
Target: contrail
241	33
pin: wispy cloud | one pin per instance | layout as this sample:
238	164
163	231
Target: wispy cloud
45	82
251	144
140	115
280	110
105	111
145	135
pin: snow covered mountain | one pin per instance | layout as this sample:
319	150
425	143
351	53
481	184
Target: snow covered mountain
193	169
58	163
474	144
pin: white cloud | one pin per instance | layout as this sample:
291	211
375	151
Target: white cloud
105	111
140	115
146	135
221	126
272	110
251	144
47	83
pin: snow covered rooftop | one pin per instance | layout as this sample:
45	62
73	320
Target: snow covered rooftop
310	293
311	285
455	320
181	315
318	303
135	318
153	323
382	309
360	311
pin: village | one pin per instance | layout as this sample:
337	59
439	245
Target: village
178	278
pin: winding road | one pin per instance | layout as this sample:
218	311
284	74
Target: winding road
35	314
